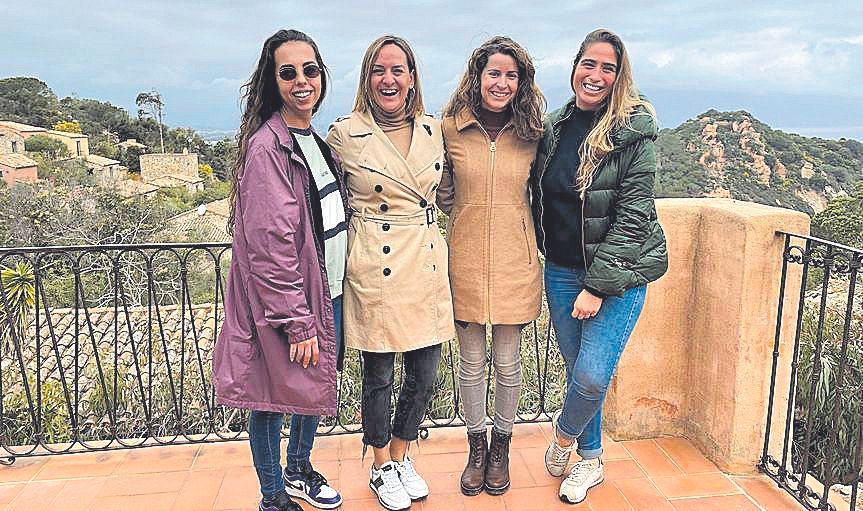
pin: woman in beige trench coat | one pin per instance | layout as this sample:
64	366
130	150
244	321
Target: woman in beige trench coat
396	293
491	128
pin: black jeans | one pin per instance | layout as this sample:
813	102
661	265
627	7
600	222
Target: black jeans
420	371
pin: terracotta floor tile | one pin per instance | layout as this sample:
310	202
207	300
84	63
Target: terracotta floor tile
622	469
528	435
223	455
240	490
483	502
695	485
351	447
159	459
607	497
444	483
36	496
767	494
22	470
721	503
534	460
9	492
200	490
362	505
441	502
326	449
152	502
143	484
77	494
354	479
537	499
642	495
442	462
614	451
94	464
652	459
686	456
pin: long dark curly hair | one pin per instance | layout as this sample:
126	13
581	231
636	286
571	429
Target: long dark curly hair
527	106
260	98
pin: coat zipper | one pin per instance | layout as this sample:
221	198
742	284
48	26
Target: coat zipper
492	147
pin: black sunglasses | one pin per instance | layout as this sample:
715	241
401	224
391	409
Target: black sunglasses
288	72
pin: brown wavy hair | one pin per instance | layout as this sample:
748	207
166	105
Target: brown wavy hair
414	102
527	106
619	106
260	98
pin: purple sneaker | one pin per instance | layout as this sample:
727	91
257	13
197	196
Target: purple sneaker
279	502
312	487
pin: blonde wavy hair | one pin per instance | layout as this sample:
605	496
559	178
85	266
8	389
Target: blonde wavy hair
414	102
620	106
527	106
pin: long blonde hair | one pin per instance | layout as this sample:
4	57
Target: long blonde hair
619	107
414	103
528	104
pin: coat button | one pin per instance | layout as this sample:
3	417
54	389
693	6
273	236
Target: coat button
423	203
437	166
384	207
386	227
379	188
387	272
386	249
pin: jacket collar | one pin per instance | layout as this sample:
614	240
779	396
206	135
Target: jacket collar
641	124
362	124
277	125
464	118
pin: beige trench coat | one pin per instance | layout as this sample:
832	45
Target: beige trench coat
396	295
494	267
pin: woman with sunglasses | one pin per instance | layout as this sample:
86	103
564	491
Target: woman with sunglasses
592	187
397	296
279	346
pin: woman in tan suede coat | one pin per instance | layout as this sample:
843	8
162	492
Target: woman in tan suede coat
491	128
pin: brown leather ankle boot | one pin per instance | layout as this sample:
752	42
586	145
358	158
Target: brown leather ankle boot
474	472
497	469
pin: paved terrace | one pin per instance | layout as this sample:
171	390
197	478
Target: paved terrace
650	475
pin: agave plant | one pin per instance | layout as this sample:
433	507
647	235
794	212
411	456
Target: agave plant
20	296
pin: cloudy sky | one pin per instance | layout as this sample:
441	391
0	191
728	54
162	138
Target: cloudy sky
795	65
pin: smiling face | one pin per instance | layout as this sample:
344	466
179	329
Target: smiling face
498	82
594	76
300	94
390	79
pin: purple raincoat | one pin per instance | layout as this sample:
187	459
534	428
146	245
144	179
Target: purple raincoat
277	291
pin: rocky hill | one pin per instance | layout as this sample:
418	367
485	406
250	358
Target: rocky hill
732	154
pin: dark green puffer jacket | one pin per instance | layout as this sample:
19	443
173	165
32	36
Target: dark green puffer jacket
623	244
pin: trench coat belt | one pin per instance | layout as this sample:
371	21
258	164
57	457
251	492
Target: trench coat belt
424	217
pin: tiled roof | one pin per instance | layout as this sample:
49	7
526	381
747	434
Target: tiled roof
211	225
17	126
67	134
16	160
174	180
101	160
131	188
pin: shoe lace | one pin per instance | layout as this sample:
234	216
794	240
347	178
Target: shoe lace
580	471
406	469
391	479
559	453
316	480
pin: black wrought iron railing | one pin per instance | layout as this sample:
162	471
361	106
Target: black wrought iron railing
816	450
109	347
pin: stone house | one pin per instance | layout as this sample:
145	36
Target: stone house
207	222
77	143
15	167
106	169
171	169
10	141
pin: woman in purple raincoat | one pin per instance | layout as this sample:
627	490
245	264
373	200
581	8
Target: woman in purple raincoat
278	349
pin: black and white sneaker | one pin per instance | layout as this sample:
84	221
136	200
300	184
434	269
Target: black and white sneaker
312	487
279	502
388	487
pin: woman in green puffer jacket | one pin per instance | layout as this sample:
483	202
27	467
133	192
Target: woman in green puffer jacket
595	217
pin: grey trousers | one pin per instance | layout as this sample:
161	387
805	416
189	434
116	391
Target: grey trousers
506	357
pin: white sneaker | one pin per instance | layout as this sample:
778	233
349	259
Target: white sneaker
584	475
414	484
557	456
388	487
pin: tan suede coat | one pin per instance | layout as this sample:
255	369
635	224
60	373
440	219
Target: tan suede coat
397	295
494	270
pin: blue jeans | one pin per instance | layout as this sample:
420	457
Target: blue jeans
591	349
265	434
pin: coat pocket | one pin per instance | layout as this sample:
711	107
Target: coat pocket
527	241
